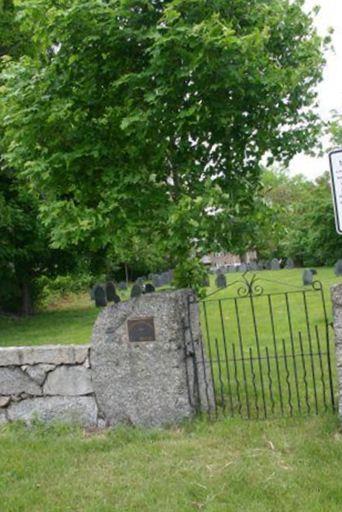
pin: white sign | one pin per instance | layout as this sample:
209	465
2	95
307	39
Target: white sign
335	158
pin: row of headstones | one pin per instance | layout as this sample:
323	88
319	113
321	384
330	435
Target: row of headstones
104	293
274	264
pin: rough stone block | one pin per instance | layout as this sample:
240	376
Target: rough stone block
36	373
78	410
145	382
50	354
13	381
69	381
4	401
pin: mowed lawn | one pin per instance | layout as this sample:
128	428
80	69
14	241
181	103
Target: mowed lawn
227	466
70	320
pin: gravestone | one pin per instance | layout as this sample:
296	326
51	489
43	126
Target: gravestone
221	281
289	265
100	296
307	277
206	281
275	265
338	268
136	290
156	280
140	282
142	361
122	285
253	266
149	288
110	291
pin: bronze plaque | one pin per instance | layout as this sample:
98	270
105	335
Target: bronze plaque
141	329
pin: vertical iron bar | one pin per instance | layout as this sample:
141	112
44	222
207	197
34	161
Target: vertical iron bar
276	355
310	348
304	373
193	348
237	380
287	378
292	350
270	381
186	356
220	374
254	381
210	357
242	356
226	359
259	355
206	384
321	368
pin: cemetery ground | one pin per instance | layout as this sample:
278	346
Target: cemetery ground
71	318
230	465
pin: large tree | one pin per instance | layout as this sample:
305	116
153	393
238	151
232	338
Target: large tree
148	119
24	242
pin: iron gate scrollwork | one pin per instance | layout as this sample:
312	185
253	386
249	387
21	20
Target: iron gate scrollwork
268	353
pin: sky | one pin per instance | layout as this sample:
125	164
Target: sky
330	90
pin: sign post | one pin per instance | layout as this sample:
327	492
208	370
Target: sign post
335	158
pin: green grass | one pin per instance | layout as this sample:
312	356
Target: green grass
71	320
227	466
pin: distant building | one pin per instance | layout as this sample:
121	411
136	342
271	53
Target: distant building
220	259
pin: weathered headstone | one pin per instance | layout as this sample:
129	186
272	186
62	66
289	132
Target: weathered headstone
221	281
275	265
110	291
100	296
156	280
136	290
338	268
253	266
139	373
149	288
122	285
206	281
140	282
307	277
289	265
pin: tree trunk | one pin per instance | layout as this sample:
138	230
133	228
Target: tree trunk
126	273
26	297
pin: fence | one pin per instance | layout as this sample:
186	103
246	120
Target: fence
268	353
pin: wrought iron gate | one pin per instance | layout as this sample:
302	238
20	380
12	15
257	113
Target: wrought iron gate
267	353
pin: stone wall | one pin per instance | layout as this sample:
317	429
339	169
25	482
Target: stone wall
48	383
125	376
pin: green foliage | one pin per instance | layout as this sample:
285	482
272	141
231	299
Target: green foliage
140	120
298	221
24	242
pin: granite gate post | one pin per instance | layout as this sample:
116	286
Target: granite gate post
144	363
336	295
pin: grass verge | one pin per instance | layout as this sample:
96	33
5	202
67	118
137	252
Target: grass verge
231	465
